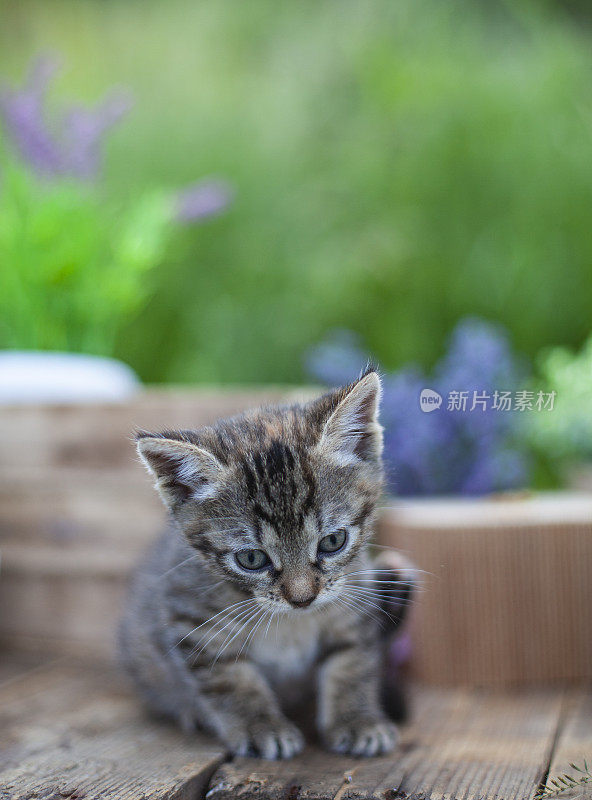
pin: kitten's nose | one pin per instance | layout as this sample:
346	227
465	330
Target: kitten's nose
300	590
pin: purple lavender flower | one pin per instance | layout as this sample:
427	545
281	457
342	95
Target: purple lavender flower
83	133
23	116
206	198
70	146
336	360
445	451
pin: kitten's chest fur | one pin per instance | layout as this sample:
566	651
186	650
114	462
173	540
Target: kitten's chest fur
289	649
287	654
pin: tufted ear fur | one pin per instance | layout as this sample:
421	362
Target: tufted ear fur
352	434
183	470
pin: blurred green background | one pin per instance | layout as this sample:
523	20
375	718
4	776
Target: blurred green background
397	166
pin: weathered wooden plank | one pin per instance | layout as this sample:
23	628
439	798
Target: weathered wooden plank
574	742
68	732
461	744
65	732
16	665
492	745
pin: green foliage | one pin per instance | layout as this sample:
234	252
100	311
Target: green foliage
398	166
566	432
74	266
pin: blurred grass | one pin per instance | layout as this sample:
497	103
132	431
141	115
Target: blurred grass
398	166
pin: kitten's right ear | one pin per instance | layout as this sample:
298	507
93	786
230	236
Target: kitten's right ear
182	470
352	434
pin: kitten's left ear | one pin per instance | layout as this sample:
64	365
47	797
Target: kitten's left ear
352	434
181	468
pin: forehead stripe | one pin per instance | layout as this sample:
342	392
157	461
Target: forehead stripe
251	480
275	460
261	512
258	461
310	486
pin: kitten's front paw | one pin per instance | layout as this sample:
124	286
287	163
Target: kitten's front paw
362	736
272	739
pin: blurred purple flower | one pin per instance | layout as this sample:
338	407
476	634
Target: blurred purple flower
84	129
206	198
443	452
23	116
70	146
337	360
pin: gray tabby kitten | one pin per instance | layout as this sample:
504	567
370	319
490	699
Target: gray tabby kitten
263	590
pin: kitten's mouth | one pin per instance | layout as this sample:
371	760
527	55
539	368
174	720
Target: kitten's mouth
299	607
318	601
295	611
303	603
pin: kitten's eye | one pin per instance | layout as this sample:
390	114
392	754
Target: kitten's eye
252	559
333	542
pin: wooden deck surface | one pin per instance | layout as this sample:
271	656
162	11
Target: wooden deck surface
79	733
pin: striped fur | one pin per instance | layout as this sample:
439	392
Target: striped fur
229	649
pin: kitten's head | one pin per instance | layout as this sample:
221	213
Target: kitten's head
280	501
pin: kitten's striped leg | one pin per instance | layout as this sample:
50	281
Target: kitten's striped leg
350	718
242	710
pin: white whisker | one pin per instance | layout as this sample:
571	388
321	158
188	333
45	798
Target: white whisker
251	633
211	588
271	616
177	566
394	598
250	613
211	619
391	570
215	633
337	601
357	609
387	589
378	607
256	614
367	581
391	597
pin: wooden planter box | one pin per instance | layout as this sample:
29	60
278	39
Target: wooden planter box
507	597
507	594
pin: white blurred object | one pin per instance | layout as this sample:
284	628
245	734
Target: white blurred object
45	377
